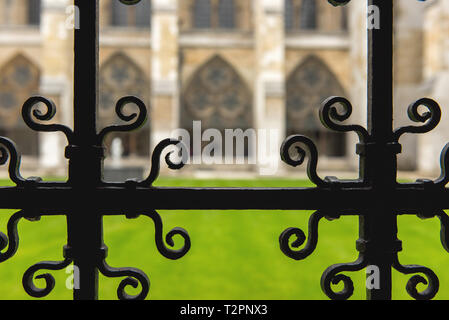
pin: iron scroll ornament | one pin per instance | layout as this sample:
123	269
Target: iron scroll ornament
9	153
37	113
332	119
301	146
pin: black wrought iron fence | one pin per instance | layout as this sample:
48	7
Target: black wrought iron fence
332	198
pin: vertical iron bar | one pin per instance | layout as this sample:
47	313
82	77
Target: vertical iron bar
380	73
378	227
86	155
86	71
84	224
85	240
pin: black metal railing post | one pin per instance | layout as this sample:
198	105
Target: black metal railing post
84	224
378	226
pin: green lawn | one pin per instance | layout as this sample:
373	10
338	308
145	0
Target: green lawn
234	255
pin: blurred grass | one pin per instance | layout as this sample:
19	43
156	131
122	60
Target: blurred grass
234	254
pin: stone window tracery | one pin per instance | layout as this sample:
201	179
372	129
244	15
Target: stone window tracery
307	87
217	96
19	79
119	77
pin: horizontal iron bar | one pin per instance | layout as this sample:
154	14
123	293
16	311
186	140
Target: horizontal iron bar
114	198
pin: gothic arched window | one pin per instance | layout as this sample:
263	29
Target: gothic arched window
34	12
202	14
304	15
226	12
344	18
213	14
218	97
138	15
289	15
308	15
119	77
307	87
300	14
19	80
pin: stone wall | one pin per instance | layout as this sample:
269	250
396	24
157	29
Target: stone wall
436	81
171	51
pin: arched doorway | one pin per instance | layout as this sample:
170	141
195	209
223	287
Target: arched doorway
217	96
119	77
307	87
19	80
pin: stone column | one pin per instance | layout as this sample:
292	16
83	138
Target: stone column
357	18
164	114
409	20
105	13
269	99
56	76
436	82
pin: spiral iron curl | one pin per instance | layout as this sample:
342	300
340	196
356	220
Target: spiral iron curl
337	3
8	151
331	276
312	239
432	282
130	2
29	111
444	223
156	159
139	118
306	148
12	240
329	114
28	277
133	278
431	118
162	248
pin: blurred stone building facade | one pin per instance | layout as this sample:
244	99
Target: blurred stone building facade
263	64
